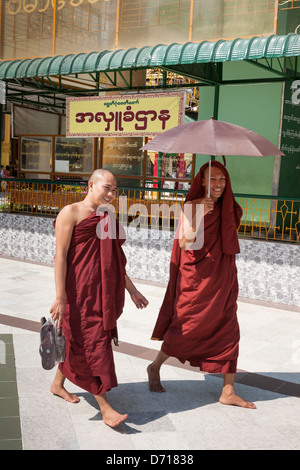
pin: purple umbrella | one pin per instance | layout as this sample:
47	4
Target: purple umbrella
212	137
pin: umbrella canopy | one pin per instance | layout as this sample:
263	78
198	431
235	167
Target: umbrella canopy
212	137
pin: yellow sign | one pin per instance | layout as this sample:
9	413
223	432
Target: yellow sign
124	115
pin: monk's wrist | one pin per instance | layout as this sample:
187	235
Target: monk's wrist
133	291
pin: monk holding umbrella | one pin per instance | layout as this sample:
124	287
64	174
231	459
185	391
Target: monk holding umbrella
198	321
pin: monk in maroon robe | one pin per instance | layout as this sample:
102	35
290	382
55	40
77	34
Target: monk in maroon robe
197	321
90	281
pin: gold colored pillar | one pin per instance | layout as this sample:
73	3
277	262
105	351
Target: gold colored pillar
5	144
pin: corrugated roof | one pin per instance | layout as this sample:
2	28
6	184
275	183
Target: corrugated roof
157	56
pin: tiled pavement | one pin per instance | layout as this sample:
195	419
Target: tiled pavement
10	426
188	416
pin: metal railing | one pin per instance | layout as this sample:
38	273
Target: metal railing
264	217
270	217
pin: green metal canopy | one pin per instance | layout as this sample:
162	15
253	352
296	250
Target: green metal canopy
158	56
46	82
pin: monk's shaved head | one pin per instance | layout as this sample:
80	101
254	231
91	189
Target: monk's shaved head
100	173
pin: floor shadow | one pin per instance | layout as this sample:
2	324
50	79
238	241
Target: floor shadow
123	428
146	408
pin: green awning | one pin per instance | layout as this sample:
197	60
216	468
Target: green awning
158	56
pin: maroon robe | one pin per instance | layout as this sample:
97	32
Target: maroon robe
197	321
95	294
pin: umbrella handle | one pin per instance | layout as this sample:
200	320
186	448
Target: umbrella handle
209	173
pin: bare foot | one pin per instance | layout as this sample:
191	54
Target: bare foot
62	393
154	380
112	418
235	400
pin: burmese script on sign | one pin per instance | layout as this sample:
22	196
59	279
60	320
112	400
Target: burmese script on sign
132	115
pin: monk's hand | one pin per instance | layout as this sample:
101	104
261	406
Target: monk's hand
208	205
207	202
138	299
57	311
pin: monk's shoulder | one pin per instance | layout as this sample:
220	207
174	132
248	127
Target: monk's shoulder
68	215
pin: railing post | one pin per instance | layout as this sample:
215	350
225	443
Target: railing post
1	124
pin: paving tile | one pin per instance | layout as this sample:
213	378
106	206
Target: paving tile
10	427
7	374
11	444
9	407
8	389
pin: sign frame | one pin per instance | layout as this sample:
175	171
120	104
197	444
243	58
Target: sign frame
161	111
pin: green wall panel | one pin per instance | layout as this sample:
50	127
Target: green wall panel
256	107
